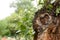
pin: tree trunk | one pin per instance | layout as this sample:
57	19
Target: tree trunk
46	24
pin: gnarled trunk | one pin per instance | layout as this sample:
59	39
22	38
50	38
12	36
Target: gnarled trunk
46	24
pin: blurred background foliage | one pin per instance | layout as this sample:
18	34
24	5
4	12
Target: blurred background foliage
19	24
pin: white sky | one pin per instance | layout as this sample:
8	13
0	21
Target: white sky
5	9
35	2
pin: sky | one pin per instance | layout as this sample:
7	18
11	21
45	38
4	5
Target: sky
5	9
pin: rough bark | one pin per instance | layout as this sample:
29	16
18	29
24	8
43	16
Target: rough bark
46	24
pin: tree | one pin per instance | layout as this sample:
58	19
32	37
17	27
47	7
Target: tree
25	11
46	23
20	22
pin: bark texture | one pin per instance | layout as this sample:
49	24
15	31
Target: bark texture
46	24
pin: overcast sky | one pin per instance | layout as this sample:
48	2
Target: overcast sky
5	9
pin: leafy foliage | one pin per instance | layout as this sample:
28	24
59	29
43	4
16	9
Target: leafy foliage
20	22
